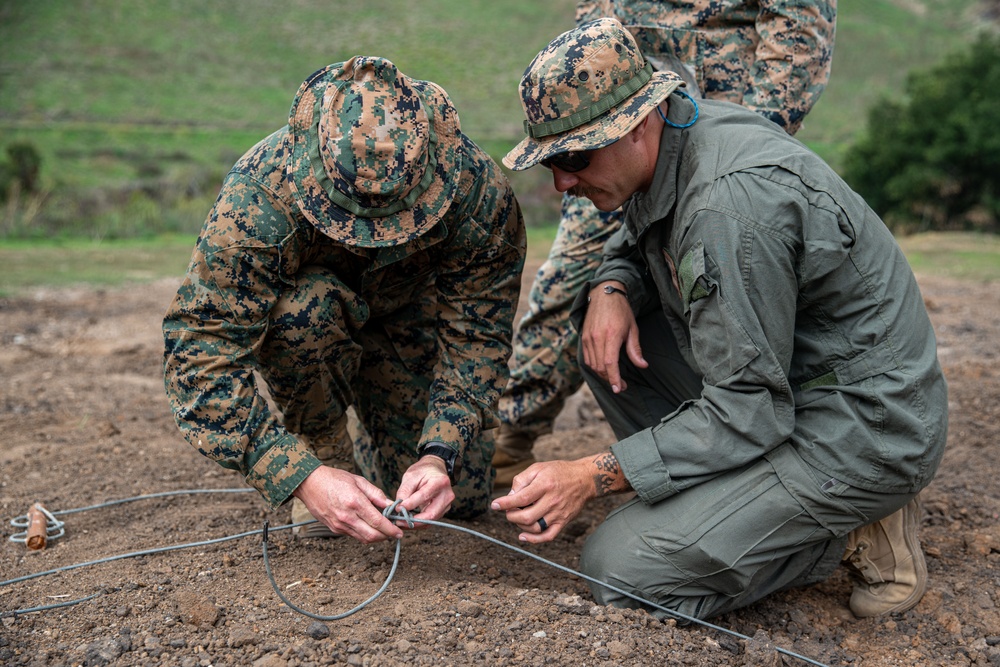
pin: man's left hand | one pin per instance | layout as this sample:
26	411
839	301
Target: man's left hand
546	497
608	326
426	487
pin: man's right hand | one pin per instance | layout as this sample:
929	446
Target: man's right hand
608	325
348	504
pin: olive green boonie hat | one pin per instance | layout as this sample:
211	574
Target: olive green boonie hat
373	153
588	88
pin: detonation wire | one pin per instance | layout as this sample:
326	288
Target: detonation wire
21	521
402	515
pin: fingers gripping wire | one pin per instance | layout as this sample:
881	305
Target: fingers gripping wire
403	514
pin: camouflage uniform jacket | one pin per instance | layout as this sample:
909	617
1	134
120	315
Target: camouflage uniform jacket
253	243
791	299
770	56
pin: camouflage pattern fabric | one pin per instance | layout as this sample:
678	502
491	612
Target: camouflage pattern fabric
372	152
771	56
588	88
543	374
415	335
794	47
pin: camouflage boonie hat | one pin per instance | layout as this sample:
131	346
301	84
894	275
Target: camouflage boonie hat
373	153
588	88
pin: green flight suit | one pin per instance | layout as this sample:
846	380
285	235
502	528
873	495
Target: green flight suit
794	391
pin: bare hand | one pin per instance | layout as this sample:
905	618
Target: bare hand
608	325
348	504
426	487
553	490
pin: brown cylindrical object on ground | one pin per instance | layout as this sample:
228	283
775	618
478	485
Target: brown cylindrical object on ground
37	528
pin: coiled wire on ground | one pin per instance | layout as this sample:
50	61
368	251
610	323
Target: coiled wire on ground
393	512
54	528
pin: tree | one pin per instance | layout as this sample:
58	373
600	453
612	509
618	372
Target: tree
932	159
21	169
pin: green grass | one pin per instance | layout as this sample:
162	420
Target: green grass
88	81
30	264
966	256
111	90
878	43
25	265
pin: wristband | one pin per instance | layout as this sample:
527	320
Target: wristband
611	289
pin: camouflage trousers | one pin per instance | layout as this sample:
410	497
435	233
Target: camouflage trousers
324	353
544	368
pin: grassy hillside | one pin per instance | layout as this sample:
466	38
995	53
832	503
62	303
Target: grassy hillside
878	42
25	265
228	68
140	107
125	97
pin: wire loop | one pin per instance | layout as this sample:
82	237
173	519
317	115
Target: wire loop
54	528
403	515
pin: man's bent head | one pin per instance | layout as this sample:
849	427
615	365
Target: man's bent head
587	89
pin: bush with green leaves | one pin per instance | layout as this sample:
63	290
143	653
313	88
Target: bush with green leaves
931	161
20	170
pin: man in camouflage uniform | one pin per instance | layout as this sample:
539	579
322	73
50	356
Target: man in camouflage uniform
771	56
754	336
367	254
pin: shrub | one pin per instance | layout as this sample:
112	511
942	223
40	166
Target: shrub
20	170
931	161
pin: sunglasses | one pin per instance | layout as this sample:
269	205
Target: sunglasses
570	161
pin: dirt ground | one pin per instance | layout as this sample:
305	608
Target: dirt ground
84	420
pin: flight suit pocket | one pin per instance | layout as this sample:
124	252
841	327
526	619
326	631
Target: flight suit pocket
720	342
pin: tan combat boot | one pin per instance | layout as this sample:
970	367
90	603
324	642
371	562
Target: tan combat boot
512	455
887	564
335	450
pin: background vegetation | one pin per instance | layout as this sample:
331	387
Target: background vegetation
136	109
932	160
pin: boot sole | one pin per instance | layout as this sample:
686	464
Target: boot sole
313	530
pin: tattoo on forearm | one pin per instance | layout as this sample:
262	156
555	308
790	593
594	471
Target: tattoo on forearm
607	478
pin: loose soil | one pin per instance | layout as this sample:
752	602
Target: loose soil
84	420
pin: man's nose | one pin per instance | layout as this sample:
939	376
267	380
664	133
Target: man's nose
563	180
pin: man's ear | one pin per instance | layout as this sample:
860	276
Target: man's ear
639	131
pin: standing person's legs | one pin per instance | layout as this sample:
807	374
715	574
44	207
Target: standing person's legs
544	370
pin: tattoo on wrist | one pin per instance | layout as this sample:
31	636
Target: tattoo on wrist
606	480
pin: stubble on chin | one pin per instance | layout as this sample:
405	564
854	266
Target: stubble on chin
593	194
589	193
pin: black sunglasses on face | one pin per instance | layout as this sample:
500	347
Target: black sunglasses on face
570	161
